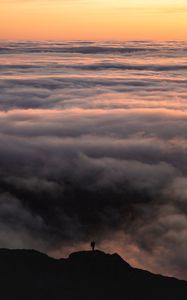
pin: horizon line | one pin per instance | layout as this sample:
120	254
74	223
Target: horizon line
94	40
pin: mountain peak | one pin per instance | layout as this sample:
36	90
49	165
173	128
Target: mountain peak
97	257
87	254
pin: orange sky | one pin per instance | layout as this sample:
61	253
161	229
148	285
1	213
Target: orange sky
93	19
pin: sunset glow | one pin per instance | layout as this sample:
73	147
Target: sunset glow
93	130
93	19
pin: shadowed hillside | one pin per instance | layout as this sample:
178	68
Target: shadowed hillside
28	274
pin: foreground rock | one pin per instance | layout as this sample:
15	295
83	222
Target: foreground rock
87	275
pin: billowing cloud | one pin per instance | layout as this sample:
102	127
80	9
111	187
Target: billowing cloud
91	152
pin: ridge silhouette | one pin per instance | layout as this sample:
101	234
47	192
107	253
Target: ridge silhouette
84	275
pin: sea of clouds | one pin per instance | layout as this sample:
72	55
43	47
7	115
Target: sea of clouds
93	145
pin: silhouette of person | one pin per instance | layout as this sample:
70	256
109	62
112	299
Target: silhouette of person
92	244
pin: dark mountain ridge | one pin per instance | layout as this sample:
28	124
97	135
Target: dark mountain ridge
85	275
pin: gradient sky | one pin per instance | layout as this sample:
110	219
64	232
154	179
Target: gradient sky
93	19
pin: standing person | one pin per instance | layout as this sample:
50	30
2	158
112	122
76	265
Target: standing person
92	244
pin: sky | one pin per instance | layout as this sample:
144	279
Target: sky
93	133
93	19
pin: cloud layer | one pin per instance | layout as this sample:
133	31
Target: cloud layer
93	145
